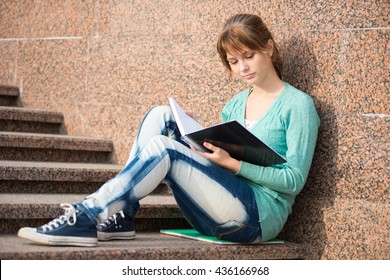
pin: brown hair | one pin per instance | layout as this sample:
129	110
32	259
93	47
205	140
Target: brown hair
247	31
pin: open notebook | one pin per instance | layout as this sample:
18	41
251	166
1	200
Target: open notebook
231	136
195	235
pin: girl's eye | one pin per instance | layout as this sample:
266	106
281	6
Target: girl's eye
249	55
231	62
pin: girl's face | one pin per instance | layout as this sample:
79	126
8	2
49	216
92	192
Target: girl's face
252	66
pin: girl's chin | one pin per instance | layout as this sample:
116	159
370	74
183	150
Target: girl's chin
250	83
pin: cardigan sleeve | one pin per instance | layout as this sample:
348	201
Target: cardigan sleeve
228	110
301	128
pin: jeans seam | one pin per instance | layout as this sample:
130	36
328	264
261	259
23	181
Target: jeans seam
254	231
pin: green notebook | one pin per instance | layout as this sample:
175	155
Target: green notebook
195	235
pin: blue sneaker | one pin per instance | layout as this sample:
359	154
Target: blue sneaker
118	226
74	228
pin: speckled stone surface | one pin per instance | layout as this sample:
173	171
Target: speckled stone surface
47	206
58	148
31	115
15	119
366	83
149	246
352	159
55	171
8	60
104	64
8	99
46	19
57	155
338	228
36	140
46	186
9	90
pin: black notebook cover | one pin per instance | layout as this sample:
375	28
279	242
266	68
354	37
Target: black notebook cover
238	142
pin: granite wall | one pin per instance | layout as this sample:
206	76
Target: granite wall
105	63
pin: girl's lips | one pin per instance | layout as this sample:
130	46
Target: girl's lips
248	76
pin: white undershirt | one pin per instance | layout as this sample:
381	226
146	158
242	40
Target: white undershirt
249	124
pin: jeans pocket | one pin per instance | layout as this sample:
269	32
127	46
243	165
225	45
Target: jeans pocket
236	232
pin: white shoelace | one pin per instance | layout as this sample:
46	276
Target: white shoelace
70	212
112	219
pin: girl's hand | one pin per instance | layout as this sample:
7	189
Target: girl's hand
220	157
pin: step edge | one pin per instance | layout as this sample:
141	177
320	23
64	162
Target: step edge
57	171
47	206
55	141
169	248
9	90
30	115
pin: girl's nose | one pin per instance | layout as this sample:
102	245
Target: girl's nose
243	66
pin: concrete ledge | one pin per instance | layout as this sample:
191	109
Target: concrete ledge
31	120
31	115
7	90
51	147
149	246
54	171
9	96
66	142
47	206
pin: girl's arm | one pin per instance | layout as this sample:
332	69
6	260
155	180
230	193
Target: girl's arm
302	124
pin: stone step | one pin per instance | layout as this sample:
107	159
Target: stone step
148	246
20	210
31	120
55	177
52	147
9	96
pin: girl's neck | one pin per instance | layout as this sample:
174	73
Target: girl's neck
271	86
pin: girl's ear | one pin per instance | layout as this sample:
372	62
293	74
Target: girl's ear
270	47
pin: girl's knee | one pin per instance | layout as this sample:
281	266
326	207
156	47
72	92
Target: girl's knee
162	141
160	111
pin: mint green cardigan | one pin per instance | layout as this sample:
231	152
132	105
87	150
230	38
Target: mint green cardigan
290	127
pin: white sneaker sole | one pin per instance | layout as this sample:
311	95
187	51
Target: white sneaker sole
104	236
32	235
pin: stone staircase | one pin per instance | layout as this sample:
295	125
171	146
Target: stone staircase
41	167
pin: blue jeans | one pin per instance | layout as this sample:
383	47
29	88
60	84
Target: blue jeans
213	200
